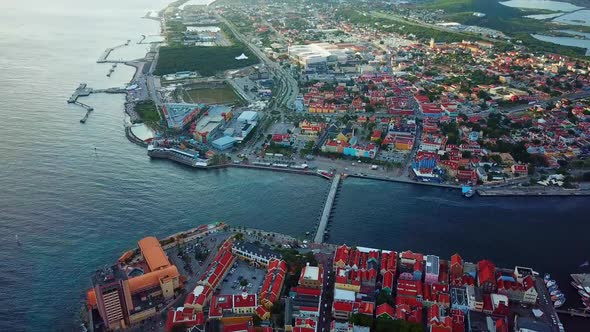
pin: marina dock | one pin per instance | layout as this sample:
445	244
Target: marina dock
319	236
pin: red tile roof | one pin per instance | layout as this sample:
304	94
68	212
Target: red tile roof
385	310
188	317
364	307
271	286
528	282
486	272
388	277
343	306
244	300
306	291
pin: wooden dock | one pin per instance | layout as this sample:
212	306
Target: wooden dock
319	236
574	312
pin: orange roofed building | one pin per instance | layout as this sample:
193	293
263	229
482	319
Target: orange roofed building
122	300
152	253
271	287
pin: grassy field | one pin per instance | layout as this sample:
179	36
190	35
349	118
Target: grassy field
207	61
147	112
224	95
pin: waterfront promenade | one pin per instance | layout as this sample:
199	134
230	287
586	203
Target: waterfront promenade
327	212
483	191
535	191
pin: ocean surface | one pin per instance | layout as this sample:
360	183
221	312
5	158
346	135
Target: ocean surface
79	195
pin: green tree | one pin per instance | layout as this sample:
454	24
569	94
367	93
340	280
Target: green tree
384	297
362	320
181	327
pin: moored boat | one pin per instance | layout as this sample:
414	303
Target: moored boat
467	191
558	303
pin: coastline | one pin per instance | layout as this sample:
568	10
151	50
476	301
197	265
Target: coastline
482	191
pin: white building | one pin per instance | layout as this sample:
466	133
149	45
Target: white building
255	254
248	117
318	53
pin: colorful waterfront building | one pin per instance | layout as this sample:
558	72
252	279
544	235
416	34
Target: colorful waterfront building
311	128
486	276
271	287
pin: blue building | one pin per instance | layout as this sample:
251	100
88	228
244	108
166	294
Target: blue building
178	115
223	143
425	162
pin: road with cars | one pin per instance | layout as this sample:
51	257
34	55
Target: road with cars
287	88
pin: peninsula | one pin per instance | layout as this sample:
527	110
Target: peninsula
222	278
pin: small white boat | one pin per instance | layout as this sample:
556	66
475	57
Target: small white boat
558	303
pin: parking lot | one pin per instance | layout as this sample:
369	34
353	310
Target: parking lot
393	156
242	274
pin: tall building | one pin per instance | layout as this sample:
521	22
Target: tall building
122	299
112	289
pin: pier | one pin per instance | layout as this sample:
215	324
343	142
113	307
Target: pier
84	91
108	51
83	120
574	313
81	91
319	236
